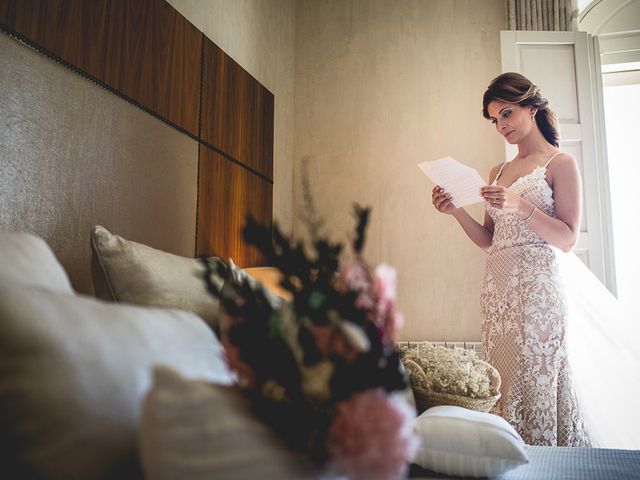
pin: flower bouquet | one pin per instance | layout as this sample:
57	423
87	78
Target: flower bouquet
323	370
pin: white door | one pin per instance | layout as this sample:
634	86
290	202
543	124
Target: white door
563	65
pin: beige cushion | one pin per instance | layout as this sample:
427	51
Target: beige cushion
73	371
130	272
28	260
197	431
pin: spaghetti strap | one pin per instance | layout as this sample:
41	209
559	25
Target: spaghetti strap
552	157
495	180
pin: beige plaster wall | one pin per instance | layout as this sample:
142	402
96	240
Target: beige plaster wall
380	86
260	36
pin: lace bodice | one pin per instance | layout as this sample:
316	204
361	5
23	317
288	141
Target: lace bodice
509	229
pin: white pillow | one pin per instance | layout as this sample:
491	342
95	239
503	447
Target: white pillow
28	260
73	371
463	442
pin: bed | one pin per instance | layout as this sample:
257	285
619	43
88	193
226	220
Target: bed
564	463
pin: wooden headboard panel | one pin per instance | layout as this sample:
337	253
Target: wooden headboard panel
236	155
147	54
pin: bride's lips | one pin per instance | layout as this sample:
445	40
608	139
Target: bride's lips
508	133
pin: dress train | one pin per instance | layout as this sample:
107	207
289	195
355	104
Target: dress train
603	351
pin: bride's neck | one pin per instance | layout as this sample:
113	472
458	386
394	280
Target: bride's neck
534	144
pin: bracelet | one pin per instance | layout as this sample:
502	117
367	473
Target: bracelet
531	215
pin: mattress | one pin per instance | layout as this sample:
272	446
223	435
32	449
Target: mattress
564	463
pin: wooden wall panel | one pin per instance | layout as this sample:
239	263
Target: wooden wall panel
237	111
74	30
144	49
226	194
166	49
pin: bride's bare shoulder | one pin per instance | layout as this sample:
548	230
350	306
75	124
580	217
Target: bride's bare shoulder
563	167
563	162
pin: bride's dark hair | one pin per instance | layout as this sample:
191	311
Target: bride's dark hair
512	87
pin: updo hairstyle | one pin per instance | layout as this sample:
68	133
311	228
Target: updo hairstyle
512	87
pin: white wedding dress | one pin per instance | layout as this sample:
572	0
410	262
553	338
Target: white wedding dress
567	354
604	354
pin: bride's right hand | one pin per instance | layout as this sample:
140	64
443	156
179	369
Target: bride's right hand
442	201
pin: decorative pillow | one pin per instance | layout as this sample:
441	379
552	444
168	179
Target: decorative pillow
462	442
130	272
201	431
28	260
73	371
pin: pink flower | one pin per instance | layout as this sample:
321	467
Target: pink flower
385	283
357	278
356	275
372	437
390	320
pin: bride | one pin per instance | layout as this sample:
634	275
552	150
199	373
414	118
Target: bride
567	356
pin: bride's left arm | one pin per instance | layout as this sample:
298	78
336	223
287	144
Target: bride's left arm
561	232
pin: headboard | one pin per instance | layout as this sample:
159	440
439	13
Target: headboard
124	114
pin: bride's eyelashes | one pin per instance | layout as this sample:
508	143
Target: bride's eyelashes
505	114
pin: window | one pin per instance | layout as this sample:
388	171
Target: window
621	97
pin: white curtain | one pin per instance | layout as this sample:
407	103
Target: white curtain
560	15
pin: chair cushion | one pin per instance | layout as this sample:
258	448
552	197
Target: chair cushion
28	260
130	272
73	371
